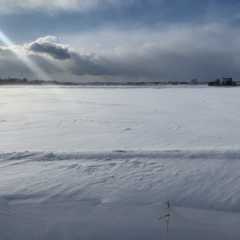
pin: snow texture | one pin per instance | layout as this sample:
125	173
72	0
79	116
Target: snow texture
95	163
83	119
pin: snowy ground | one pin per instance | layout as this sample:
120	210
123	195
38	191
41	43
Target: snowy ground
82	119
127	152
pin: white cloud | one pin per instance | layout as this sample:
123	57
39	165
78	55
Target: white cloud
8	6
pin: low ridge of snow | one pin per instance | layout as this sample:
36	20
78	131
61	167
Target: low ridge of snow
199	179
119	195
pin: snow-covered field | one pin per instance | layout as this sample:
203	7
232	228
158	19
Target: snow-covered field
100	163
82	119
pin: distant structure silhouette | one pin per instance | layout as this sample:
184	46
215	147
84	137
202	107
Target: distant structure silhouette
224	82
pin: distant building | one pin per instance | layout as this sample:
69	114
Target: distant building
224	82
228	82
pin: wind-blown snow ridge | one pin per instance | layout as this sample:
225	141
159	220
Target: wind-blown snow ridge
122	154
205	179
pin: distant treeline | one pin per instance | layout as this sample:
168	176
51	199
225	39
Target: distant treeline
24	81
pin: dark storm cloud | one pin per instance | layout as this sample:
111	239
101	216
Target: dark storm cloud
75	62
49	46
88	65
177	53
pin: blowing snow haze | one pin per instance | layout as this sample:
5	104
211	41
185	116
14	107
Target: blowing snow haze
120	40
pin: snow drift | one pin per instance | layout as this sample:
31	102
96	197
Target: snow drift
99	195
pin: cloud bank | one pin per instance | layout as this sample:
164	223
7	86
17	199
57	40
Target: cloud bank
9	6
161	54
48	45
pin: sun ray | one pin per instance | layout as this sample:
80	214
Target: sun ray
40	73
35	69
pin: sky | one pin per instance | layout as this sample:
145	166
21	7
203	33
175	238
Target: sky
116	40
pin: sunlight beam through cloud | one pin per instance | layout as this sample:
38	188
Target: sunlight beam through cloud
41	74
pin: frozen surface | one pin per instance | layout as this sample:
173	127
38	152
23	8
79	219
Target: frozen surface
120	195
100	163
80	119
